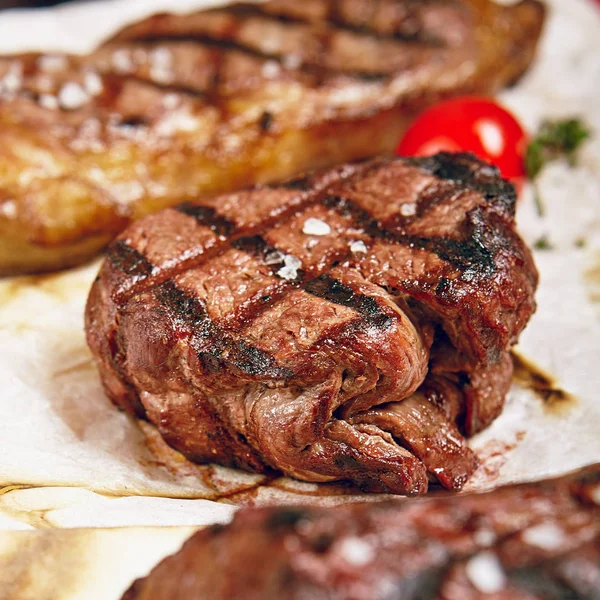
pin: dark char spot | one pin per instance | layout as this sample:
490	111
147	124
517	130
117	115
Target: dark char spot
128	259
285	518
335	291
207	216
266	121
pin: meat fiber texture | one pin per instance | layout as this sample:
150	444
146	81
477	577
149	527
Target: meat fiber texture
75	461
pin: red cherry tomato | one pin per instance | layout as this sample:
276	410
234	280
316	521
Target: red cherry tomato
469	124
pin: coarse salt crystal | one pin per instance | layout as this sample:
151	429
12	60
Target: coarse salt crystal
314	226
408	210
176	121
358	247
289	271
291	61
546	536
48	101
357	552
161	58
349	94
162	75
486	573
274	258
595	494
93	83
13	80
484	537
52	63
171	101
122	61
8	209
270	69
72	96
127	191
161	65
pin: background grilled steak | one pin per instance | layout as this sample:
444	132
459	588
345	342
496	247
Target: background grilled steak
178	106
345	325
519	543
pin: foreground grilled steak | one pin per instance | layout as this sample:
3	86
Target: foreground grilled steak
529	542
347	325
178	106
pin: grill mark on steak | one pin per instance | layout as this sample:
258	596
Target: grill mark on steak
128	259
470	256
272	257
334	19
277	216
485	180
335	16
333	290
225	46
209	217
227	40
216	350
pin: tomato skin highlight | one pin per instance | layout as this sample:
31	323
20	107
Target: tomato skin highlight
470	124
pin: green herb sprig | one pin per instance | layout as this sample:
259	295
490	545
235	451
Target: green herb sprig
555	139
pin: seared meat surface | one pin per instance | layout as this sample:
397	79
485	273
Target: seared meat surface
179	106
353	324
529	542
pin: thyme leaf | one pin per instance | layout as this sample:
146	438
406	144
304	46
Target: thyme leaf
554	140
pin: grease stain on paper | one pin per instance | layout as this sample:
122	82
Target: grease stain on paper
531	377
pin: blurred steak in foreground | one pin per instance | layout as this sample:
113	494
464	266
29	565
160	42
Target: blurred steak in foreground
178	106
530	542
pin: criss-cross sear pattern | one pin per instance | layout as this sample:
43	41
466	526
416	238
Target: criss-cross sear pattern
249	342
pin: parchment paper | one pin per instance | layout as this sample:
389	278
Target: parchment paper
69	459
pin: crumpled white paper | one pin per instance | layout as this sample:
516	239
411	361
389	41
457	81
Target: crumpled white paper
69	459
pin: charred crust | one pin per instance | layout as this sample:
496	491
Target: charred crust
471	256
253	244
134	121
286	518
271	256
362	218
253	361
223	352
266	121
322	542
128	259
209	217
467	169
300	183
335	291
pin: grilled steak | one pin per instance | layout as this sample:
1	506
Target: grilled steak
179	106
524	542
347	325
